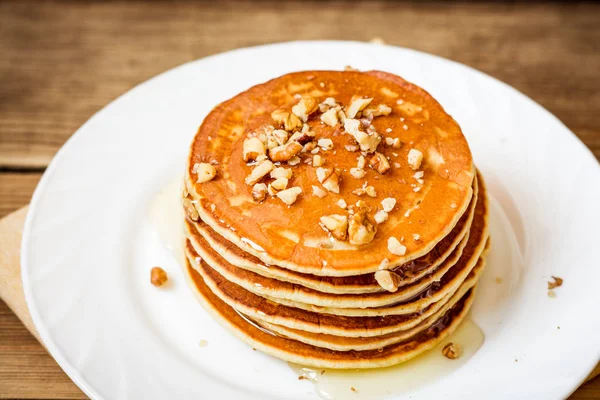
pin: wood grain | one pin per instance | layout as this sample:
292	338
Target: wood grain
60	62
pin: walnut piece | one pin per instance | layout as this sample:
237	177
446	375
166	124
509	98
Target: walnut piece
325	144
452	351
281	172
394	143
388	280
342	203
259	192
327	104
260	170
336	224
360	229
415	157
380	110
318	161
329	178
204	171
279	184
285	152
381	216
318	192
555	283
288	120
306	106
357	173
158	276
330	117
388	204
357	105
289	196
379	163
395	247
190	210
367	142
281	136
253	148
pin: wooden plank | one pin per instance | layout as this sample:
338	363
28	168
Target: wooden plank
16	189
61	62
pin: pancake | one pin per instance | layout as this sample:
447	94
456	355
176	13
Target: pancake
404	315
297	352
291	294
342	343
202	237
291	236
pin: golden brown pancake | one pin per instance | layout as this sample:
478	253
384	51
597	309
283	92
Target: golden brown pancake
203	237
294	351
291	237
342	343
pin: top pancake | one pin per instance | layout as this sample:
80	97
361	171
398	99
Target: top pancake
291	236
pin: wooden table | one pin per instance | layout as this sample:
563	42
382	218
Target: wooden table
62	62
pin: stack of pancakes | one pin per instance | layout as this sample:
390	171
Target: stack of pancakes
334	219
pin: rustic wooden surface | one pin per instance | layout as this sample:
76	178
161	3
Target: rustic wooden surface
61	62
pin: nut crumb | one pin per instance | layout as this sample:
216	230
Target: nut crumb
556	283
318	192
415	157
325	144
388	204
336	224
204	171
342	203
395	247
259	192
289	196
452	351
190	209
158	276
381	216
388	280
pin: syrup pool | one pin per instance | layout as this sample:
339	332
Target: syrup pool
379	383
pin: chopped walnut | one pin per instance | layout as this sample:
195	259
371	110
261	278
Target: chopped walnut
260	170
360	229
381	216
330	117
357	105
351	147
379	163
327	104
361	162
253	148
329	178
158	276
357	173
367	142
318	161
279	184
288	120
204	171
370	191
342	203
415	157
325	144
452	351
380	110
285	152
388	204
289	196
302	137
318	192
190	209
555	283
306	106
336	224
387	280
309	147
395	247
294	161
419	175
281	172
281	136
259	192
416	237
394	143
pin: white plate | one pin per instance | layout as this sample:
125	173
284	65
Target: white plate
88	244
